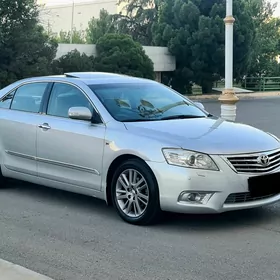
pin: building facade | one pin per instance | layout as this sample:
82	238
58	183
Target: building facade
62	17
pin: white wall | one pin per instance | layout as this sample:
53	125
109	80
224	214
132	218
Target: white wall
59	17
162	59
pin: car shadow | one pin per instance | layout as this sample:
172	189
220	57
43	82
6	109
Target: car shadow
51	196
224	221
169	221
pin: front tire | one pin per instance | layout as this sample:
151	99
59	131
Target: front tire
135	193
2	180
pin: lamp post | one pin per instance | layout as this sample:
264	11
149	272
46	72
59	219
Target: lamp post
228	98
72	22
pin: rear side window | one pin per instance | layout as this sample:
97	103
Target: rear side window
7	100
28	98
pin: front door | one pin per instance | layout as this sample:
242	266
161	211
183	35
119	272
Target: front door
19	115
69	151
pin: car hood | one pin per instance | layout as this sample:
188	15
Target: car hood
207	135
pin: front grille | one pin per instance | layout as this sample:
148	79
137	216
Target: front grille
245	197
252	164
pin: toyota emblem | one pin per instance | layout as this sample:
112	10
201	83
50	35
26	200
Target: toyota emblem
263	160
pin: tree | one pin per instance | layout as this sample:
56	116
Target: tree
137	18
78	37
25	48
267	39
118	53
105	24
193	30
73	61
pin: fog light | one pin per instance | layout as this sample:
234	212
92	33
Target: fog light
195	197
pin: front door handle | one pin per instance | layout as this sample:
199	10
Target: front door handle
44	126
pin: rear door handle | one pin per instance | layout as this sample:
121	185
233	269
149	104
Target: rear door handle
44	126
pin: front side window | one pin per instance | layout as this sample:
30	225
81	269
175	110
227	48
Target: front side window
65	96
145	102
7	100
28	97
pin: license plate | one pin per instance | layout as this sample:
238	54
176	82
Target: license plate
264	185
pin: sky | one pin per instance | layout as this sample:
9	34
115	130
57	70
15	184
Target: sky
53	2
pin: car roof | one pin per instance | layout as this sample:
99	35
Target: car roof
93	75
94	78
88	78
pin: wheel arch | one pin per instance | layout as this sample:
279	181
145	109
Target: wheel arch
115	163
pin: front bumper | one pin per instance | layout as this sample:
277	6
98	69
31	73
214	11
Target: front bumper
173	181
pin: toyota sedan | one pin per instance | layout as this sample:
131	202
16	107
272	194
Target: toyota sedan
134	143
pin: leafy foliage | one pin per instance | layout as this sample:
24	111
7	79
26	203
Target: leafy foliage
194	32
73	61
25	49
97	28
266	45
118	53
78	37
137	18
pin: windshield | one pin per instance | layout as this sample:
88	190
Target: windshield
145	102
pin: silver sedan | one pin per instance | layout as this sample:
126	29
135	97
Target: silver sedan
134	143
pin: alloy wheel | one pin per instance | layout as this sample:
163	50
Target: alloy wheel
132	193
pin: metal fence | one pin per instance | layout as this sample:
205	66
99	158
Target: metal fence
261	83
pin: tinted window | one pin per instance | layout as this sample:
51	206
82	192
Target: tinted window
147	101
28	97
65	96
7	100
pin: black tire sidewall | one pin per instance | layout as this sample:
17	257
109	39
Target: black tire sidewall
2	180
153	209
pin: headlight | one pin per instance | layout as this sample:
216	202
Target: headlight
189	159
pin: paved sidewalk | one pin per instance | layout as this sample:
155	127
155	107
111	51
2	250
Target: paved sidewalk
10	271
253	95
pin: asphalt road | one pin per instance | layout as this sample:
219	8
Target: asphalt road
261	113
72	237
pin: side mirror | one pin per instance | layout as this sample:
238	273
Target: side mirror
199	105
80	113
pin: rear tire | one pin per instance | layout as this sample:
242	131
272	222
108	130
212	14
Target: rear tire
135	193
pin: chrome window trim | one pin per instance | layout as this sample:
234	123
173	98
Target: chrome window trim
85	94
15	90
54	81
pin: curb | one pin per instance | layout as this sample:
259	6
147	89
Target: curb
10	271
241	96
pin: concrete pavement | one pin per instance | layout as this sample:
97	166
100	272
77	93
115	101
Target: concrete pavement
242	96
263	113
10	271
73	237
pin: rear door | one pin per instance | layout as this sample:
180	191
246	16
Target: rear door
19	116
69	151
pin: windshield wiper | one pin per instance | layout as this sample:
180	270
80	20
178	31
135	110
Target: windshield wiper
182	117
165	118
